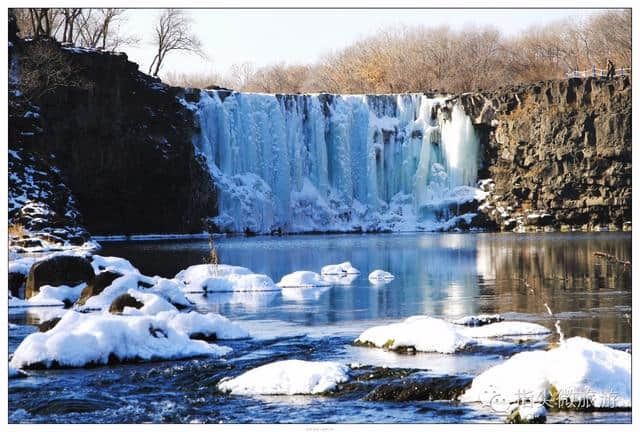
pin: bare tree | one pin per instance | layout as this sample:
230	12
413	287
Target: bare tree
70	16
172	33
101	28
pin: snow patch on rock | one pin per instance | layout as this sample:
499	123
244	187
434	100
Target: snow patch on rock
578	371
82	339
288	377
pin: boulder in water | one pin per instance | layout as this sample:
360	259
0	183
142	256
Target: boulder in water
58	270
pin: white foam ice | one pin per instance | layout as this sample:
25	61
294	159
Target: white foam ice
380	276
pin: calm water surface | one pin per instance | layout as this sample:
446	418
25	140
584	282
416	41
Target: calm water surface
442	275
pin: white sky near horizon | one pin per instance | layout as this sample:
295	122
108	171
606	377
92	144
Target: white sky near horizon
302	36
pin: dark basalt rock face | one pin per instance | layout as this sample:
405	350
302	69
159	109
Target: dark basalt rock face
97	285
41	204
122	141
58	270
559	153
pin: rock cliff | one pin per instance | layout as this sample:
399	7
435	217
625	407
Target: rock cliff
558	153
122	141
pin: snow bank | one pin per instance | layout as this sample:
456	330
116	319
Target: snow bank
134	282
344	268
380	276
56	295
288	377
82	339
302	278
210	325
579	371
421	333
223	278
116	264
200	272
153	304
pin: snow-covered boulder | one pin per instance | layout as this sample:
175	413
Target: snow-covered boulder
210	326
421	333
344	268
56	295
427	334
195	274
115	264
302	279
168	289
135	302
82	339
223	278
579	373
58	270
527	413
380	276
288	377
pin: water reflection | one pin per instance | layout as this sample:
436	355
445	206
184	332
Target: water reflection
446	275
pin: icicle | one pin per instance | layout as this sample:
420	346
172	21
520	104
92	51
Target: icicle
331	162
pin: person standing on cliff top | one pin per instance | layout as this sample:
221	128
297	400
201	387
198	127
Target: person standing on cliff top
611	69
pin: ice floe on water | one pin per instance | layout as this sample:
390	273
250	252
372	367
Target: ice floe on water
344	268
288	377
82	339
302	279
579	373
380	276
427	334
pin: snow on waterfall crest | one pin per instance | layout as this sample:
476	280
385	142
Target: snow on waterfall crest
301	163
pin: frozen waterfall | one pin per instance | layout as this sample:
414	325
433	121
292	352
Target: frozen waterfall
300	163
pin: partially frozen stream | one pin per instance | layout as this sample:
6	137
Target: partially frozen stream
441	275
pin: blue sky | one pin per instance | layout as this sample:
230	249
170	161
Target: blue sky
291	36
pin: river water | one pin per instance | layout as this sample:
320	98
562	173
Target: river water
442	275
